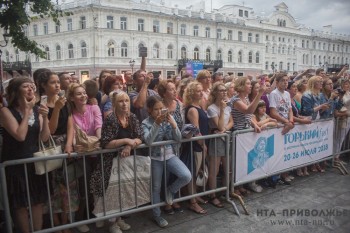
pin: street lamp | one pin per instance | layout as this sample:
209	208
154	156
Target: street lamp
132	63
6	39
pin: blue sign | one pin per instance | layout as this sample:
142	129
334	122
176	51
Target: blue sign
262	151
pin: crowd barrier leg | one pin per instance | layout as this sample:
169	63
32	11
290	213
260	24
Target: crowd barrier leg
340	139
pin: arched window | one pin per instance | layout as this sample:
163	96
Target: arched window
170	51
250	37
250	57
140	46
196	53
58	52
156	51
83	49
124	50
207	54
240	57
229	56
17	55
70	51
111	47
7	56
257	57
183	53
47	51
219	55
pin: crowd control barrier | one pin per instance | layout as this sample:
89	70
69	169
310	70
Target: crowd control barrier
132	174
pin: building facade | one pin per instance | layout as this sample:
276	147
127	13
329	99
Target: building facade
106	34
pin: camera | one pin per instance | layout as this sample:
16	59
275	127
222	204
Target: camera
340	91
164	111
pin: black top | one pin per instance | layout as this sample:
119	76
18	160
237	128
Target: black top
13	149
62	120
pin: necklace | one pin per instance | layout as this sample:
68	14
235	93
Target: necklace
126	122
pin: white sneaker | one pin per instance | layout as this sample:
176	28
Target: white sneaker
287	179
123	225
255	187
115	228
83	228
290	177
100	224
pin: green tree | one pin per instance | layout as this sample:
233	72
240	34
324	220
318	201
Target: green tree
14	17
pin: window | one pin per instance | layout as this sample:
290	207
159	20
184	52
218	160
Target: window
195	30
169	28
333	47
196	54
155	26
314	45
288	50
82	22
307	44
140	25
279	39
273	49
240	36
183	29
218	33
17	55
229	35
46	29
219	55
250	35
240	57
250	57
207	54
293	66
294	51
266	65
288	66
257	38
183	53
57	28
282	49
307	58
83	49
337	48
302	43
246	14
207	32
315	60
267	49
111	47
319	46
25	30
124	50
229	56
324	46
140	46
110	22
7	56
69	24
70	51
47	51
156	51
170	51
27	58
279	50
58	52
267	38
35	30
123	23
240	13
257	57
303	58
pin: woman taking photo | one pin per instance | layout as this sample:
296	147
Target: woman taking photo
161	126
120	129
220	120
24	123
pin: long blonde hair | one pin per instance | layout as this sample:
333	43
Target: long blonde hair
189	92
311	84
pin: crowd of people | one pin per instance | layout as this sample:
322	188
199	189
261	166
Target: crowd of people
126	111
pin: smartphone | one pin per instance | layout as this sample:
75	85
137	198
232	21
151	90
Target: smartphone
61	93
164	111
340	91
43	99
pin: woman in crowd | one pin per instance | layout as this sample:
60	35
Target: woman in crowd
161	126
301	88
260	116
314	105
265	96
220	121
343	115
24	124
204	78
242	112
255	90
331	96
111	83
230	86
120	128
101	99
182	86
195	115
89	119
58	124
91	88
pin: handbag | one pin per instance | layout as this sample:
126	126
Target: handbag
202	177
83	142
43	167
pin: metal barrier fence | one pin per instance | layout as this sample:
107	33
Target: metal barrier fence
99	157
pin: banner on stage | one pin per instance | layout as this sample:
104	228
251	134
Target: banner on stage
261	154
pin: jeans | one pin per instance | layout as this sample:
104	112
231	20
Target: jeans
175	166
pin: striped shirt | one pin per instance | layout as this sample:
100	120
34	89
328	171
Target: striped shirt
240	120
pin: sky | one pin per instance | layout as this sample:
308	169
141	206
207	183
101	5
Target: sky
312	13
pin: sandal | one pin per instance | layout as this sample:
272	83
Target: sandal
196	208
299	172
319	168
201	200
215	202
313	168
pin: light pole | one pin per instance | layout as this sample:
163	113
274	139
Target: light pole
132	63
6	36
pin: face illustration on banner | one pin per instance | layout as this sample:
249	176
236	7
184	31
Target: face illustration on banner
262	151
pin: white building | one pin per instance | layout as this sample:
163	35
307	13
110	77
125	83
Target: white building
106	34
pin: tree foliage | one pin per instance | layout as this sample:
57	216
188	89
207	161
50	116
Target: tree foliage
14	17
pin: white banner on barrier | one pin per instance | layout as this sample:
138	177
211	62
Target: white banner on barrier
269	151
